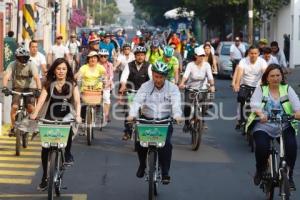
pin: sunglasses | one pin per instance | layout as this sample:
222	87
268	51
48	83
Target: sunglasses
103	56
59	38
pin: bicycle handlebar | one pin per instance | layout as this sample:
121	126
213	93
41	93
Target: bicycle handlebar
154	121
57	121
281	118
11	92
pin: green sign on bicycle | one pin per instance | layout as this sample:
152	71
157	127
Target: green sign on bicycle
54	135
152	133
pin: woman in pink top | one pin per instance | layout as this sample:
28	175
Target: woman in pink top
103	54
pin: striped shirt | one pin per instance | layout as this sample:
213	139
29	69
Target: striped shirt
155	103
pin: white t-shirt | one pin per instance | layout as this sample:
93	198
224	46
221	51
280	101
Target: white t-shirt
59	51
73	47
124	60
196	76
237	53
39	60
252	72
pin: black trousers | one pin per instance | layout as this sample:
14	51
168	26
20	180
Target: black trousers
235	62
45	153
164	154
262	150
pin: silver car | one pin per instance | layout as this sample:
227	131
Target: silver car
224	62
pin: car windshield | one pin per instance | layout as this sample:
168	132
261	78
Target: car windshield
225	50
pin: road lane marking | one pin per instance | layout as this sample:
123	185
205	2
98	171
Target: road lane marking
19	159
33	196
16	173
24	166
14	147
35	143
23	153
15	181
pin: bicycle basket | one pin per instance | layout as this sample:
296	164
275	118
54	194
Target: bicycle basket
152	134
91	97
54	135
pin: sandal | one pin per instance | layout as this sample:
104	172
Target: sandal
126	136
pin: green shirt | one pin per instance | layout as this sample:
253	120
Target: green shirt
173	65
154	56
22	76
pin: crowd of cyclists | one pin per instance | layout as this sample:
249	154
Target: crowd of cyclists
156	66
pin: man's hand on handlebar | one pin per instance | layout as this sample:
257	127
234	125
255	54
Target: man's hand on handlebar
6	91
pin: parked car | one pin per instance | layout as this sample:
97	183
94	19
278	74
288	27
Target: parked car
224	62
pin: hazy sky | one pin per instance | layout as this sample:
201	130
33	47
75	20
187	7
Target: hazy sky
125	6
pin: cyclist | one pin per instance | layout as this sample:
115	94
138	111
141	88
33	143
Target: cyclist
172	63
237	52
58	50
25	78
178	56
158	99
278	53
210	58
60	90
269	58
190	50
108	45
73	45
38	58
134	75
90	74
274	93
103	60
195	75
93	46
246	77
124	58
154	53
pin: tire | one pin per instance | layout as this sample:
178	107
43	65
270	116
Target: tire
25	140
284	186
89	128
18	133
59	178
270	191
135	140
52	170
101	119
152	185
197	134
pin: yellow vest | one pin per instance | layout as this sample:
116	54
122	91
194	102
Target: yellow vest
284	100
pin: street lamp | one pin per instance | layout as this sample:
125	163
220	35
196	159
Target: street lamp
250	22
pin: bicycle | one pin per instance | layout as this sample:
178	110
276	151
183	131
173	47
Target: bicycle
277	173
249	137
54	136
21	114
92	98
152	134
130	93
198	109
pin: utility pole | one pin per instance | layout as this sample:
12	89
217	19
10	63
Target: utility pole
250	22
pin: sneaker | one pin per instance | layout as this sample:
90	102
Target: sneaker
292	184
69	160
12	133
257	178
238	126
166	179
140	172
126	136
43	185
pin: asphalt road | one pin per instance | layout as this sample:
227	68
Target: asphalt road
221	169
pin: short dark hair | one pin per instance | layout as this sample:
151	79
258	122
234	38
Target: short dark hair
274	44
10	34
253	47
271	67
32	41
267	50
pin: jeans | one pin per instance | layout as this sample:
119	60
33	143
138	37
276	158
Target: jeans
164	154
262	150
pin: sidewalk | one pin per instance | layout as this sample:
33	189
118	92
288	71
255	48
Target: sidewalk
293	79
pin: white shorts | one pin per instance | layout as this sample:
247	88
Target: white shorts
106	96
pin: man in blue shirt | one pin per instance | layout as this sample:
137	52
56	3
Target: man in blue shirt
108	45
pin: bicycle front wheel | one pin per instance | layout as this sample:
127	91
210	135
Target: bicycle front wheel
52	171
89	126
284	186
152	186
196	134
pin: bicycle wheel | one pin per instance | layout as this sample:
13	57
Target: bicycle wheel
89	128
284	186
196	134
52	171
101	118
19	118
151	181
25	140
59	168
